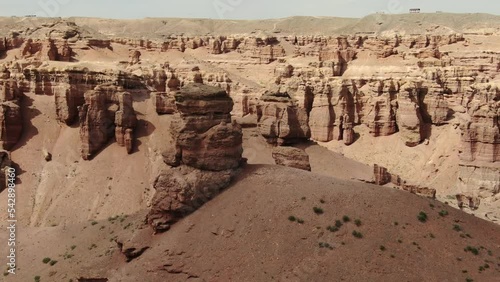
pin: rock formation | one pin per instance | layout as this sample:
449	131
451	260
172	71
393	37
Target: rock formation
291	157
280	120
5	164
204	158
382	177
11	121
107	112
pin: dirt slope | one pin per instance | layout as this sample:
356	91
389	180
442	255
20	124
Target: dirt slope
245	235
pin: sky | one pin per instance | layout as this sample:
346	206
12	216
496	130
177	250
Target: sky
236	9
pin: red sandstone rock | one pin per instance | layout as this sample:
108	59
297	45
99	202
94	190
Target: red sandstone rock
107	112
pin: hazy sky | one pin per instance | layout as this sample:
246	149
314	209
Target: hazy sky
236	9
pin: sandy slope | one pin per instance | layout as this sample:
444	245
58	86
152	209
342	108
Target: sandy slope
244	235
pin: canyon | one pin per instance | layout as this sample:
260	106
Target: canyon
155	118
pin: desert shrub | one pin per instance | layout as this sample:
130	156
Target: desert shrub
52	262
345	218
37	278
357	222
443	213
422	216
382	248
318	210
471	249
46	260
357	234
338	223
292	218
457	228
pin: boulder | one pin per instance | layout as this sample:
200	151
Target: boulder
291	157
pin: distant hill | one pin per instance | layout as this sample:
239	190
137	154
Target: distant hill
157	28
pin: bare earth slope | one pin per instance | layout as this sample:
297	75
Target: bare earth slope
245	235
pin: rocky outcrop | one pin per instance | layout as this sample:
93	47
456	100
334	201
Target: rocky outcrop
408	115
280	120
470	202
135	57
479	170
291	157
382	177
107	112
205	155
11	121
164	102
5	164
204	135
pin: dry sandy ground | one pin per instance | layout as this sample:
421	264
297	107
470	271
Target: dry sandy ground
245	234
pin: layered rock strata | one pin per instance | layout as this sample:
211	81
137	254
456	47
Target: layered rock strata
108	112
11	121
204	158
291	157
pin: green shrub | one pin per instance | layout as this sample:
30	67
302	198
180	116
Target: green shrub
457	228
443	213
357	234
292	218
332	228
46	260
73	247
37	278
345	218
422	216
357	222
473	250
52	262
318	210
338	223
300	221
93	222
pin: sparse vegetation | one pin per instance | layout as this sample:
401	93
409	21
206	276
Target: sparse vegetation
382	248
37	278
52	262
396	223
443	213
325	245
292	218
400	241
471	249
73	247
432	236
46	260
457	228
318	210
322	201
422	216
93	246
93	222
469	280
338	223
357	222
345	218
300	221
332	228
357	234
